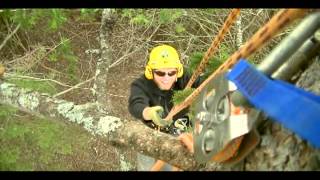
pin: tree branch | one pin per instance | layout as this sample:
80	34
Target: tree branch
9	36
119	132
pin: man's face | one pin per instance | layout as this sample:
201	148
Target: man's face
165	77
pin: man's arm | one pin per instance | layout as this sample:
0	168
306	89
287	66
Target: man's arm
138	102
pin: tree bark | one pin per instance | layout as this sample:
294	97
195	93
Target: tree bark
281	149
102	68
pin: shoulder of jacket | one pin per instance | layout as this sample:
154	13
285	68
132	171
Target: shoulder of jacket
140	81
144	83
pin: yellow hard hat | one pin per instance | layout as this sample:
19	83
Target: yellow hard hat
163	56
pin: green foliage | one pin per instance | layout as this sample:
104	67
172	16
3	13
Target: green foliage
144	18
194	61
54	19
180	95
167	16
27	144
40	86
28	18
140	19
171	17
180	28
53	56
57	18
211	11
213	64
89	14
224	52
136	16
72	69
64	51
127	13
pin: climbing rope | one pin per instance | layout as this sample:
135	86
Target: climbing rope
214	45
212	49
263	35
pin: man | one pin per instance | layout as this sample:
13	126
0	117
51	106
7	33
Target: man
151	94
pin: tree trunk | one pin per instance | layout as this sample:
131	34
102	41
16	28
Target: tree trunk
282	150
239	40
100	85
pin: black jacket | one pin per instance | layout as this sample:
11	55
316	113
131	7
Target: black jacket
145	93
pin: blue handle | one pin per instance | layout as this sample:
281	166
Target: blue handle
295	108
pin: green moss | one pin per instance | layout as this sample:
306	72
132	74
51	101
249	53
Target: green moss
40	86
6	111
9	158
30	143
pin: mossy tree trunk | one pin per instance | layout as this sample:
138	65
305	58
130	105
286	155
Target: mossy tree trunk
119	132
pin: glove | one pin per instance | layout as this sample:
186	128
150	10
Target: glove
155	114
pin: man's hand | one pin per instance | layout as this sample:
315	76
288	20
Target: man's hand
187	140
154	113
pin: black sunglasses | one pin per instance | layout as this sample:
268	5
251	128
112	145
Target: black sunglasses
161	73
